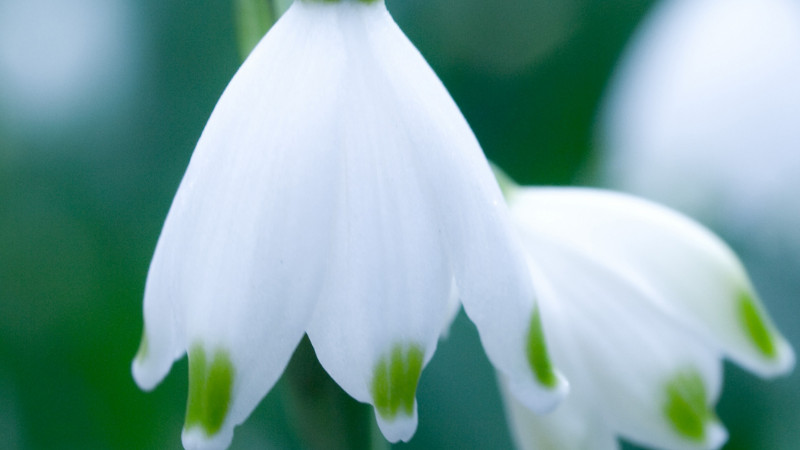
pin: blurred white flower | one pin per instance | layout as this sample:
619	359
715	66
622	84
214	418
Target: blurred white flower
338	191
703	115
639	305
63	60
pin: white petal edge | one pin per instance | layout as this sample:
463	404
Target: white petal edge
388	289
488	265
570	426
241	259
623	356
690	273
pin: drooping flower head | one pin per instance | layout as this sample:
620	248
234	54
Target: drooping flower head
335	191
639	305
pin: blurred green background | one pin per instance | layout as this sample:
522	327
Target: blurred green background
101	104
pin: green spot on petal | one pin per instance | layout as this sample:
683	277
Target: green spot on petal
538	357
756	325
195	404
144	346
210	387
394	380
686	405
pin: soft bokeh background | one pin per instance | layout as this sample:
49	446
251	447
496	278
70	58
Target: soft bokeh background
101	103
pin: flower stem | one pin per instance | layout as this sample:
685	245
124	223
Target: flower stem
323	415
253	19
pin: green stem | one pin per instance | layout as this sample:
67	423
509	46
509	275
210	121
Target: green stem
322	414
253	19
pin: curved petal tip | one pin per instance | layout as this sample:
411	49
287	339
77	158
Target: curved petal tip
146	379
766	352
394	388
784	362
197	439
538	398
150	365
716	435
398	428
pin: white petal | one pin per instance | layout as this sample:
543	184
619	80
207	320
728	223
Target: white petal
388	291
683	269
241	259
453	307
487	263
572	426
632	368
498	297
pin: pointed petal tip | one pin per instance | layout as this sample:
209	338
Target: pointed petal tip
539	398
146	375
151	365
195	439
146	380
399	428
782	364
716	435
787	358
766	353
143	379
393	389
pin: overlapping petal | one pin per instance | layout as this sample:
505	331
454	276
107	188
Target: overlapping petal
569	427
336	190
639	305
483	252
232	274
414	231
682	269
386	296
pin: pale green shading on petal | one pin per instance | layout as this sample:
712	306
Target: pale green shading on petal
507	185
253	19
538	357
394	383
210	389
195	404
756	326
144	346
686	405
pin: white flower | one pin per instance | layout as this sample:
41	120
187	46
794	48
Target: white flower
639	306
336	190
703	115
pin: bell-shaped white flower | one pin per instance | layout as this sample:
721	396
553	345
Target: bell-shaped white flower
639	305
336	191
702	115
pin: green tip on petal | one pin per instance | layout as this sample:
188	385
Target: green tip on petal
144	346
538	357
686	405
394	383
210	387
756	326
